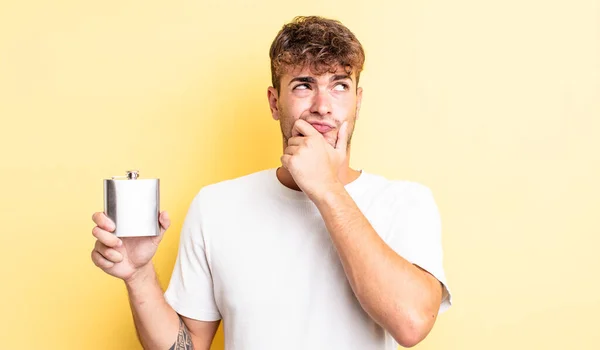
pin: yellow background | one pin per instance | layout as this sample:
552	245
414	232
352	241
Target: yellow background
493	105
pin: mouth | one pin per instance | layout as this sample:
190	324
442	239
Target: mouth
322	127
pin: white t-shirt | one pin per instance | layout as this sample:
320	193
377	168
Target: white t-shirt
257	255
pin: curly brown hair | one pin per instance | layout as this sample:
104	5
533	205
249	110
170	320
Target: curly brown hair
320	43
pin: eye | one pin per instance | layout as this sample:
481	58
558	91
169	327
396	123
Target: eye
301	87
341	87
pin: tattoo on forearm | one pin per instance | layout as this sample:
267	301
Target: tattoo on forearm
184	340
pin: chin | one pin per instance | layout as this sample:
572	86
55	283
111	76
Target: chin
331	141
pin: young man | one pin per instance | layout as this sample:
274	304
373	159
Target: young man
311	255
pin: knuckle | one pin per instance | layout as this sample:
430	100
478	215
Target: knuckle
105	264
106	240
99	260
102	261
99	218
112	255
94	257
99	247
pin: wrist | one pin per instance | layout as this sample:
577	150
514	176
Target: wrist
141	275
329	195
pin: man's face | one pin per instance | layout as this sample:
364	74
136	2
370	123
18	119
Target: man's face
325	101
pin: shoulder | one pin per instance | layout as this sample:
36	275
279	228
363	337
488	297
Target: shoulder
232	190
406	193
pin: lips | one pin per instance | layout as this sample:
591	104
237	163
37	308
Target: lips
322	128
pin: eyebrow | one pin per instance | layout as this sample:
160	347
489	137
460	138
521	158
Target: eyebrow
341	77
303	80
312	80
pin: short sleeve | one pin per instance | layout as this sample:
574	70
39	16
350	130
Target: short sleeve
417	235
190	290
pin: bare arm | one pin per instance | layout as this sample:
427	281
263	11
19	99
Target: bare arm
398	295
158	326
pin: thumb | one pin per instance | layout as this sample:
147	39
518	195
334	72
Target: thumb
165	222
342	139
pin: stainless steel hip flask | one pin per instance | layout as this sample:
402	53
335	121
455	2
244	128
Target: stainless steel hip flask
133	204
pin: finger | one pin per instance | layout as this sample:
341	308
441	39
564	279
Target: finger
342	139
302	127
108	253
296	141
100	261
106	238
291	150
165	220
103	221
285	161
165	223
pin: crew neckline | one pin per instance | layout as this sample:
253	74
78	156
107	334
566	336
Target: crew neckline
353	187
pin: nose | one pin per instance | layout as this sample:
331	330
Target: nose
321	103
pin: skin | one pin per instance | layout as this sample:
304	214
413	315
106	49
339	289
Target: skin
399	296
301	100
158	326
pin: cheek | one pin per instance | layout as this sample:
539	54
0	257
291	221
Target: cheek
345	103
297	105
286	120
293	111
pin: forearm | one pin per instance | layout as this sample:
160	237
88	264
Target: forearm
157	324
395	293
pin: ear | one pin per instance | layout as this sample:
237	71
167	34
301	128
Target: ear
359	92
273	98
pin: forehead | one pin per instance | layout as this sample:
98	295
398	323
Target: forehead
307	71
